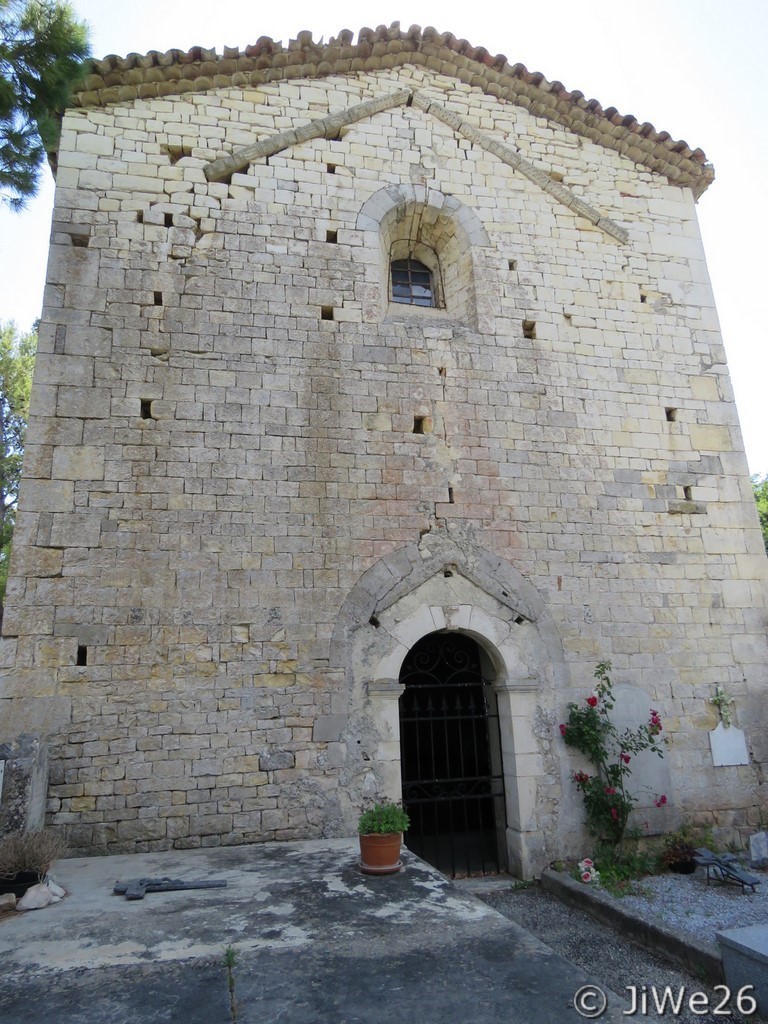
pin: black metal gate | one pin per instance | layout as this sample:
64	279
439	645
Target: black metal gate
453	788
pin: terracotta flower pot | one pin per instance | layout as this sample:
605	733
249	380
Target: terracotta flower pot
380	853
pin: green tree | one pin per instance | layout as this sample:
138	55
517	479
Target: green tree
17	360
760	487
42	50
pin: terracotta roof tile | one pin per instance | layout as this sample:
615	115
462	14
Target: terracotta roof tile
120	79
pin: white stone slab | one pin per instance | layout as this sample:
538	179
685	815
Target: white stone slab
758	848
728	746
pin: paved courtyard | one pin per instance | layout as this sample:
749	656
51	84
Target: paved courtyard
315	941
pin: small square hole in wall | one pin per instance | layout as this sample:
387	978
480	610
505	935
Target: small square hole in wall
332	237
82	655
671	415
158	297
80	241
529	329
168	220
422	425
556	176
451	499
326	312
512	264
643	297
331	168
146	408
688	493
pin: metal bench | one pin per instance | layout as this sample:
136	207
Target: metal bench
724	867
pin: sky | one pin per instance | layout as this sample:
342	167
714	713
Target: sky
693	68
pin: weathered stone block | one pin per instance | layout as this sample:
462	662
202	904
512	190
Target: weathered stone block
83	463
25	784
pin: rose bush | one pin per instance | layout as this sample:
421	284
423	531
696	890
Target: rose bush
589	729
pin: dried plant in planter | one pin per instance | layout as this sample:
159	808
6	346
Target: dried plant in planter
29	852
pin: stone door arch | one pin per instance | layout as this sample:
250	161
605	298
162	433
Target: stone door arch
419	591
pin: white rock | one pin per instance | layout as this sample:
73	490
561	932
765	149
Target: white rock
35	897
7	901
56	890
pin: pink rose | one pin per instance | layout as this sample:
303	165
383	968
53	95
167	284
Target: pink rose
562	729
586	876
626	758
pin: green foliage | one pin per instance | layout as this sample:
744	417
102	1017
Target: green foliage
620	869
760	488
589	729
17	360
42	50
522	884
229	959
383	818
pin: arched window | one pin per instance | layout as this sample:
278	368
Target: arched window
411	283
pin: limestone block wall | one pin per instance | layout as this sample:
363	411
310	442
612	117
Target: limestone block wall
222	443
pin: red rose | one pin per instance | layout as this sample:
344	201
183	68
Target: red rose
592	701
626	758
562	729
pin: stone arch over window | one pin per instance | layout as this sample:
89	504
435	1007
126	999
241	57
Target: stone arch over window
412	222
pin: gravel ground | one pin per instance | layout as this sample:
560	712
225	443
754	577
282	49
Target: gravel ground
613	962
688	903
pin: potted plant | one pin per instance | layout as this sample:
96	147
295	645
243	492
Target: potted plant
380	830
678	854
26	858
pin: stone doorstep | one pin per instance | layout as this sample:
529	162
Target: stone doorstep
701	959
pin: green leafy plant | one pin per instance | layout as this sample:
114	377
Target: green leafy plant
760	489
229	964
589	729
383	818
620	869
522	885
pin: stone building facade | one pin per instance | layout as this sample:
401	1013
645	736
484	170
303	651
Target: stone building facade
254	481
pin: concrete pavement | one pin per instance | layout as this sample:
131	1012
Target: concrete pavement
315	942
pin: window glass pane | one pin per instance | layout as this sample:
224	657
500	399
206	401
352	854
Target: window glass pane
411	283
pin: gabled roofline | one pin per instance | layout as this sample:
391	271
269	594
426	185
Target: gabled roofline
154	75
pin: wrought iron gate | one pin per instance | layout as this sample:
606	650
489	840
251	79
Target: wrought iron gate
453	788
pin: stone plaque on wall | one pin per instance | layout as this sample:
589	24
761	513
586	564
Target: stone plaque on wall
728	746
25	784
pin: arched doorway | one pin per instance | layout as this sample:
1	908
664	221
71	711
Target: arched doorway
450	750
